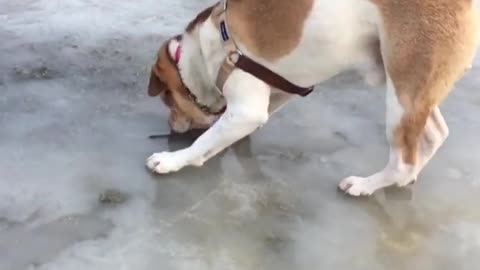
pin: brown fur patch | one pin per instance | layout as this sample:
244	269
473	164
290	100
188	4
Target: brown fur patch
155	86
268	28
428	44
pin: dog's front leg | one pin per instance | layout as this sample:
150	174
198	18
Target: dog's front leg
247	109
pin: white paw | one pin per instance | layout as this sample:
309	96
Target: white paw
356	186
165	162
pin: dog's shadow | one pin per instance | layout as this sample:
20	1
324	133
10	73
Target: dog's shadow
402	232
241	150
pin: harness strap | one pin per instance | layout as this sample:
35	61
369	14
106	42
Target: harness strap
236	59
248	65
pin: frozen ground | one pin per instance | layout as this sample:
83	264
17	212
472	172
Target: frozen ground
74	121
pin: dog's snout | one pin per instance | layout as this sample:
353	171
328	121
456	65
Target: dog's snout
179	124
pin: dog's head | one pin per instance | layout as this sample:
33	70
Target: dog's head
166	82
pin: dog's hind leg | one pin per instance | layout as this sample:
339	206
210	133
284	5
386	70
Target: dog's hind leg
414	136
422	67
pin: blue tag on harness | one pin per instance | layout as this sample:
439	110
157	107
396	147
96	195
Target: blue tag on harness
223	30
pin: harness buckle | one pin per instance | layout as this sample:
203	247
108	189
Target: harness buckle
234	56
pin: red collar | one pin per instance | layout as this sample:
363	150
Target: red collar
178	53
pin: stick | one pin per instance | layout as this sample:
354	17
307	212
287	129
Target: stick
159	136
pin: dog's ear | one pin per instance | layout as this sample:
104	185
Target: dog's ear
173	50
155	85
167	59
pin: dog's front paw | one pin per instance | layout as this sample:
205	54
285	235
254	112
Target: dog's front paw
165	162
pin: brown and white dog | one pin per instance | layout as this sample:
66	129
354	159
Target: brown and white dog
419	48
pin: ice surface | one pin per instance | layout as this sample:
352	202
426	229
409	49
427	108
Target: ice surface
74	122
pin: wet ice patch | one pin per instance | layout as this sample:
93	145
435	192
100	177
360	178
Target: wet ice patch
36	203
454	174
41	72
213	233
239	203
144	247
40	244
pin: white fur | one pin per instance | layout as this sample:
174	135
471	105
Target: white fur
431	139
